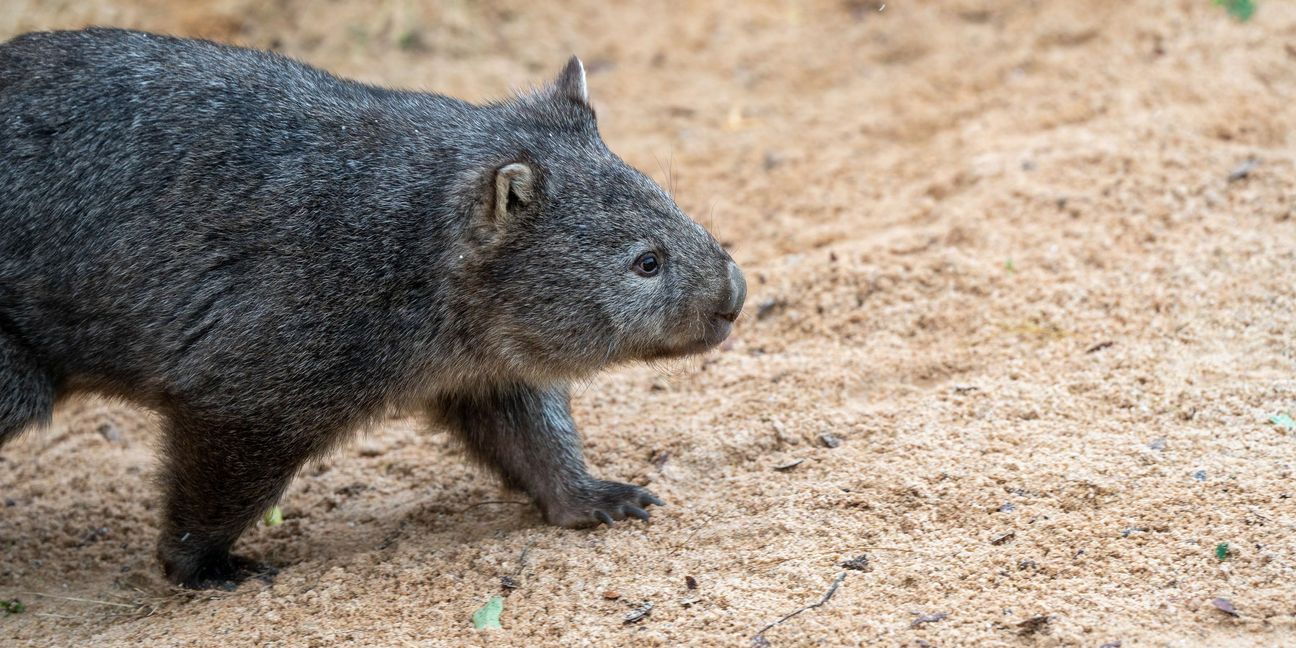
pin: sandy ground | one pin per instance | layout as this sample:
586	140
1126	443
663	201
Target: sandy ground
994	250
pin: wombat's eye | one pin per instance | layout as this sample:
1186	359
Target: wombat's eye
647	264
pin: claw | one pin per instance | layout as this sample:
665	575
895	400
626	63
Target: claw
635	511
603	517
649	498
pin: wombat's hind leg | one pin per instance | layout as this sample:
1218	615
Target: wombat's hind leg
218	479
26	390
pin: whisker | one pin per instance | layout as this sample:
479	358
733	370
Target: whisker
670	172
665	175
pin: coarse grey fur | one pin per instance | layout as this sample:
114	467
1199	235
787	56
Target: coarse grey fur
271	257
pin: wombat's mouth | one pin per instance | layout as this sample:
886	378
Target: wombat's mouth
717	330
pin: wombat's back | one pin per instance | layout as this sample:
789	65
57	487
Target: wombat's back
102	122
170	209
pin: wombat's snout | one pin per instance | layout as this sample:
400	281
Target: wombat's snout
737	294
728	308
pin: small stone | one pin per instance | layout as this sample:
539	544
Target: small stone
690	582
1199	475
1158	444
1007	507
829	440
769	307
1003	538
509	583
1242	171
611	595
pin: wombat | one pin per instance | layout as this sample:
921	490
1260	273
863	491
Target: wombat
271	257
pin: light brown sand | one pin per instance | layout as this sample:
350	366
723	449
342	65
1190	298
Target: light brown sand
992	248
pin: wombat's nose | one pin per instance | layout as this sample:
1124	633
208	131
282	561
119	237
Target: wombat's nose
737	293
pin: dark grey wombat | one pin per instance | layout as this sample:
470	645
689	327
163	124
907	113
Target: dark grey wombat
270	257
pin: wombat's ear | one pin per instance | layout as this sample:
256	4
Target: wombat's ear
514	189
571	82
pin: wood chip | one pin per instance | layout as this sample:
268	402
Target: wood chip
790	465
638	614
1224	605
1033	625
929	618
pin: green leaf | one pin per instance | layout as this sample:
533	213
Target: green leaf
1283	420
1222	551
273	517
1240	9
12	606
487	616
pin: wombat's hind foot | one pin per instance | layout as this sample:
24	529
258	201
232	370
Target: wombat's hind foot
601	502
224	572
219	478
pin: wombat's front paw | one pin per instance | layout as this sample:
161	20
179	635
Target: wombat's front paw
601	502
224	573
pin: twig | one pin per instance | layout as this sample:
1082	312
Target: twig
827	595
83	600
1105	344
834	552
522	558
689	539
902	549
484	503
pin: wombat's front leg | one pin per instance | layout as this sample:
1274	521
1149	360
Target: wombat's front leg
528	436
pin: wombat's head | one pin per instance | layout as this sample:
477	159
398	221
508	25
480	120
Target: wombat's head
578	260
